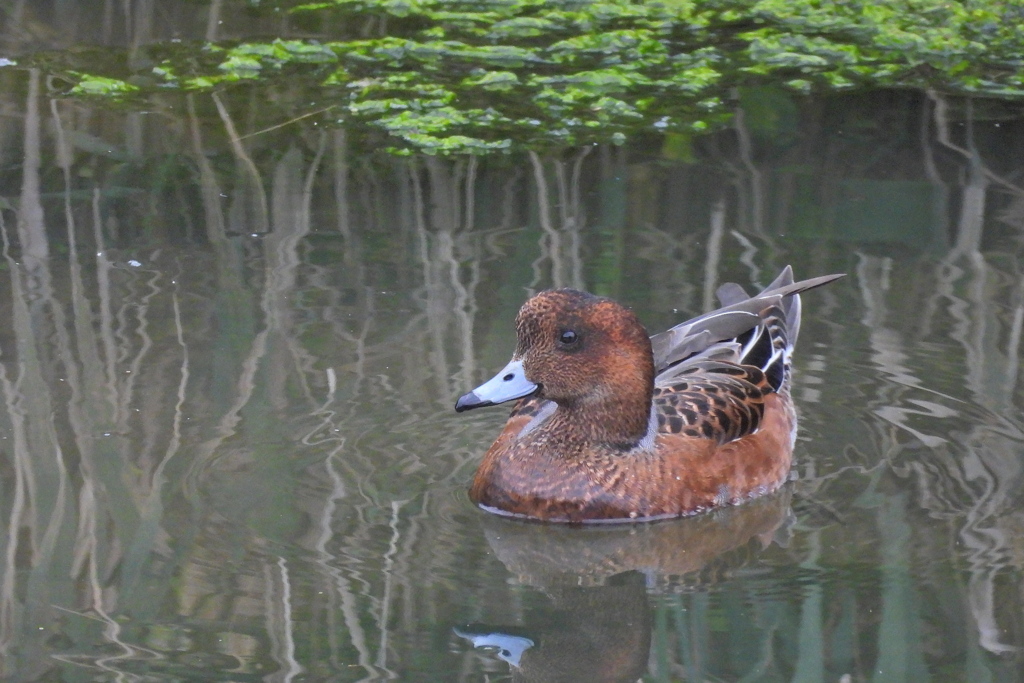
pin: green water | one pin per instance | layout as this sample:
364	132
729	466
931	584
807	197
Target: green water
227	444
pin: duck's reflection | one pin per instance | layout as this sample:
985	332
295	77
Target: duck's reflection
595	624
592	633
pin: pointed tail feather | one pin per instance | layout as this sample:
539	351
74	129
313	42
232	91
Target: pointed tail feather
760	330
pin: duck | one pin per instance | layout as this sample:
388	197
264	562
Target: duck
613	425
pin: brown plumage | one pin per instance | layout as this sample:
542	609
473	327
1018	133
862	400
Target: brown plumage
613	425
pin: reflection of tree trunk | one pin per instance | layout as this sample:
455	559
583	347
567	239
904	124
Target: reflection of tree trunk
1012	371
889	355
208	184
18	12
746	150
250	199
559	245
939	211
989	467
31	228
99	543
106	321
972	206
343	599
714	253
139	19
942	133
108	22
972	210
387	598
89	354
341	175
615	192
899	651
292	220
213	20
97	550
992	465
571	214
36	517
991	462
291	214
991	373
280	623
931	171
551	241
811	646
446	296
899	640
436	308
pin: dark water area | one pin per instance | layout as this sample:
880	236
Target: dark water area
228	449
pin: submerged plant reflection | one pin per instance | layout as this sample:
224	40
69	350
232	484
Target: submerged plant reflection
443	77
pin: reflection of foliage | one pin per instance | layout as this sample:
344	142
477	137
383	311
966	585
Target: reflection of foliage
106	87
445	76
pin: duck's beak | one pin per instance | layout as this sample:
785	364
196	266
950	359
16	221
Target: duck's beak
510	383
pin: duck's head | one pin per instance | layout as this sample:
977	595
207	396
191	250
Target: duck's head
575	349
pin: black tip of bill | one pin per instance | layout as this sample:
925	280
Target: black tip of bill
509	384
470	401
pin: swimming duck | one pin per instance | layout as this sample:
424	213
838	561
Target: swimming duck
613	425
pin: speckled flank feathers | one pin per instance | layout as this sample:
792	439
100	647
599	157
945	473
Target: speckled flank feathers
613	425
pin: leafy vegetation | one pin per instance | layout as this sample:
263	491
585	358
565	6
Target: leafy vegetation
444	76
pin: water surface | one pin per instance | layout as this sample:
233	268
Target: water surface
227	443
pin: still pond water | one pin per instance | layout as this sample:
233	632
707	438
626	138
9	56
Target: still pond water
227	444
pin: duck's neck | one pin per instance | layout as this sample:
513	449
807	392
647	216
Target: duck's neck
618	420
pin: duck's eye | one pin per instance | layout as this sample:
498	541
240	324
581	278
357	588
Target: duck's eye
568	338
